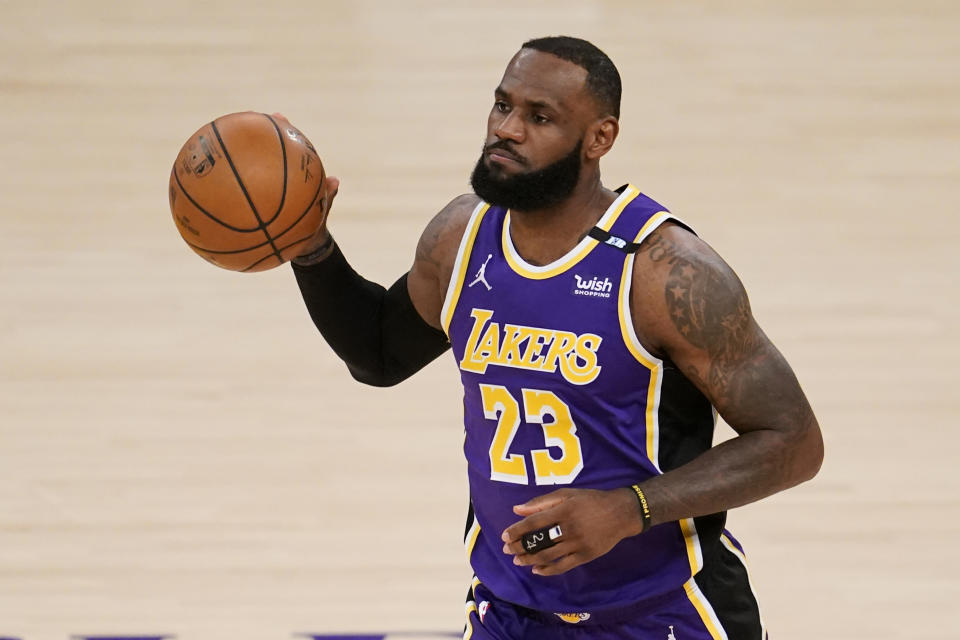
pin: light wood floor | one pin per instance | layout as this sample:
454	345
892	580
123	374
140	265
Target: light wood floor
179	450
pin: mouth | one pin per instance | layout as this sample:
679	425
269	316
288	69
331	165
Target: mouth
503	156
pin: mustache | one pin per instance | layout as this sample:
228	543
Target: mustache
503	145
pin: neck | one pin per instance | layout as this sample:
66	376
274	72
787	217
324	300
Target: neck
545	235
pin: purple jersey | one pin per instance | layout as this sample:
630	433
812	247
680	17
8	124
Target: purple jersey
559	392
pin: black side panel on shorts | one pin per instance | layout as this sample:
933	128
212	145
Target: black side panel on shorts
724	583
686	431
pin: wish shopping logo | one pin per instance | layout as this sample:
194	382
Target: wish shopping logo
592	287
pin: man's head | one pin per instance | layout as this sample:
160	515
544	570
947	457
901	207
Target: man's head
555	112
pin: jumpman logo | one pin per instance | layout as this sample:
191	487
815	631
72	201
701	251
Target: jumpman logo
671	636
481	274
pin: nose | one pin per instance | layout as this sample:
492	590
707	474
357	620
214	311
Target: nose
510	128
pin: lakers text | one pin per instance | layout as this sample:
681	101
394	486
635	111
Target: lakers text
532	348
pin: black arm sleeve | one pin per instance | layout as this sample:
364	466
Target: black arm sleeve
376	331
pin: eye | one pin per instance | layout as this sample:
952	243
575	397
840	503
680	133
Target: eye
501	106
540	118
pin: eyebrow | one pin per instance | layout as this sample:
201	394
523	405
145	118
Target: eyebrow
536	104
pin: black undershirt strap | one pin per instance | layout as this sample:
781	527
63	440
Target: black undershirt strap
614	241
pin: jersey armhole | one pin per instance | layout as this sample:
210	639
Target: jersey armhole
630	338
460	266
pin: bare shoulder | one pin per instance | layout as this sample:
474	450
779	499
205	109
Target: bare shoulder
682	288
690	307
440	239
436	253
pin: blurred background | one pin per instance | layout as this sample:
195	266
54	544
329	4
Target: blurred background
181	453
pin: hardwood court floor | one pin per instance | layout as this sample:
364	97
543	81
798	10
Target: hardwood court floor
180	452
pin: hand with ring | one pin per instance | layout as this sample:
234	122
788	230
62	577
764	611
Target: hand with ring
566	528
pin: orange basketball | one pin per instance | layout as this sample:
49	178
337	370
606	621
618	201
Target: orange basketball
245	191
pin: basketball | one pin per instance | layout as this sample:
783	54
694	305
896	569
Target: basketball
246	190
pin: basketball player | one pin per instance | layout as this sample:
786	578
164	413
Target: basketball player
595	335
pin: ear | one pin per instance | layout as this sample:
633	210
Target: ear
600	137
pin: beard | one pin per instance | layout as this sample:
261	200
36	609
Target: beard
531	191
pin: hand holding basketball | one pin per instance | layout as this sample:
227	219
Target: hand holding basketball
248	192
331	188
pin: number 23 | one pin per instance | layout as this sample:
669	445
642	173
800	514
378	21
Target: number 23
500	405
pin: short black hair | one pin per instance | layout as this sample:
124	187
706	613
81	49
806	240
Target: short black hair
603	79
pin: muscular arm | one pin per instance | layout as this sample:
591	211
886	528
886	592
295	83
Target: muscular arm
383	335
690	307
436	253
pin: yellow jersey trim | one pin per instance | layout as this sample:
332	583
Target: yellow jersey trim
644	358
460	266
471	539
655	221
707	614
653	417
692	540
636	348
575	255
469	608
630	339
732	548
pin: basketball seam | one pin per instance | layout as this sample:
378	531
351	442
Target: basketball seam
310	205
283	154
207	213
284	248
243	188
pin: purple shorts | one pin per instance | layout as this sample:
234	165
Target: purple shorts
718	604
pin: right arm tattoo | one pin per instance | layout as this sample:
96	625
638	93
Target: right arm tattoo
708	330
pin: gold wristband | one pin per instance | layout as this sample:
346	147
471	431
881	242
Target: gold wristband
644	507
